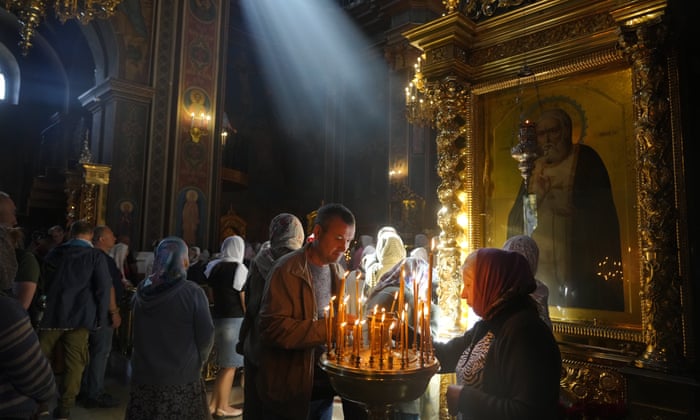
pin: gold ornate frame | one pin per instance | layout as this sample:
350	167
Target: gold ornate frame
600	105
469	65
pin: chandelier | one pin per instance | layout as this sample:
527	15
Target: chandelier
31	12
420	105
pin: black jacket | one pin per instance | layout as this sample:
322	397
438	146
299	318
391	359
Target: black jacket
522	367
77	282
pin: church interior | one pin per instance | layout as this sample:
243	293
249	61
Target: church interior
206	118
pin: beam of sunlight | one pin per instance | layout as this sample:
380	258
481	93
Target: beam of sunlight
315	61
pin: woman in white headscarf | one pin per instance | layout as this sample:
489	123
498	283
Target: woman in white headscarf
226	277
390	251
286	235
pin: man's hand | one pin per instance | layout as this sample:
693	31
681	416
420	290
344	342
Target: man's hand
116	319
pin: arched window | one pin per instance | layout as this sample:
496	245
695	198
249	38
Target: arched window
9	76
2	86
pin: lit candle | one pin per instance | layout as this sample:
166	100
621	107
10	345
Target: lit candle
331	322
345	307
341	297
405	326
429	293
402	337
341	291
357	294
328	329
391	358
402	285
361	337
372	327
393	302
391	330
341	346
415	310
426	346
381	338
419	325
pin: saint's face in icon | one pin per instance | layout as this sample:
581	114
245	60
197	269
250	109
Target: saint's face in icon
553	142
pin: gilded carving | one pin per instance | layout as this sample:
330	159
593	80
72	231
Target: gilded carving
450	98
88	197
73	189
560	33
660	281
481	9
576	39
591	383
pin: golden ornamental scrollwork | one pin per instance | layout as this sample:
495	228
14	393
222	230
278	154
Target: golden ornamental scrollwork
88	203
583	382
643	43
567	31
73	191
481	9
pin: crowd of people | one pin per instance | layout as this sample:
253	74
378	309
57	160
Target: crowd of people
261	320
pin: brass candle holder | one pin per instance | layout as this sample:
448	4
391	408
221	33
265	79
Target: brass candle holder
384	370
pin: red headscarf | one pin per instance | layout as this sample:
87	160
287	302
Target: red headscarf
499	276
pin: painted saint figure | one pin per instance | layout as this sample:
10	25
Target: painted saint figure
190	217
577	225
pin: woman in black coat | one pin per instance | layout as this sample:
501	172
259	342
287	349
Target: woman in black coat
508	365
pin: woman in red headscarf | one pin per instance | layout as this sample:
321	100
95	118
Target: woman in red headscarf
508	365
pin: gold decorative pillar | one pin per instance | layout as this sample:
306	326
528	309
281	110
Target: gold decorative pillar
450	96
74	183
86	192
93	203
439	94
642	38
442	86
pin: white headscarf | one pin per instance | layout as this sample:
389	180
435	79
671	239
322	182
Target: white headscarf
391	252
232	250
420	252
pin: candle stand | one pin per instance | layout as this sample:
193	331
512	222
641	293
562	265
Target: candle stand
379	389
386	372
388	365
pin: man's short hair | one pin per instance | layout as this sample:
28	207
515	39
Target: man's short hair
98	232
331	210
55	228
81	227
